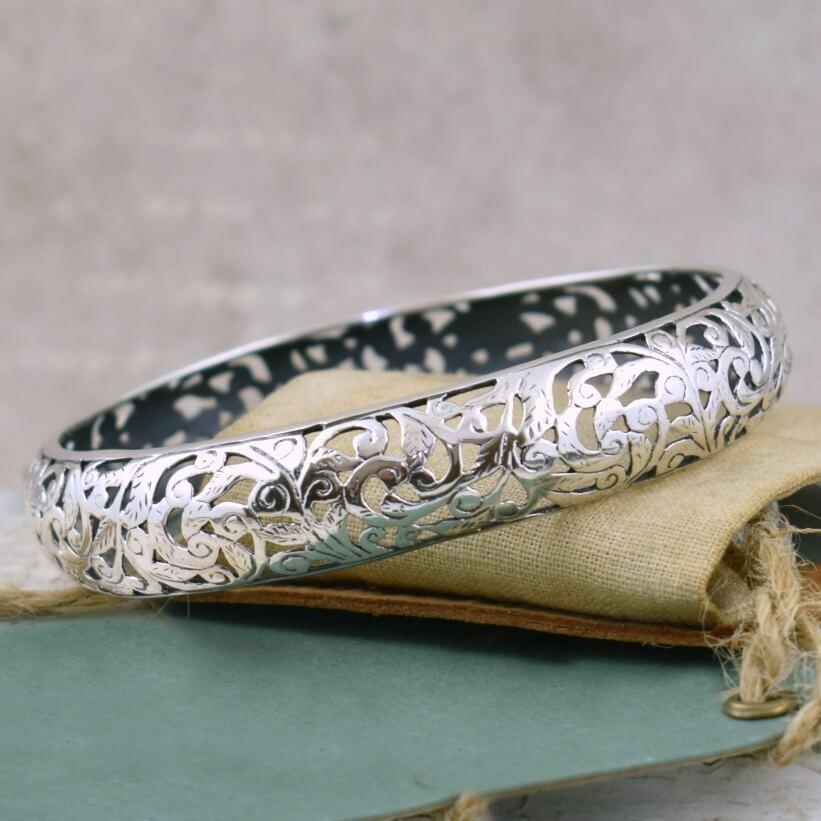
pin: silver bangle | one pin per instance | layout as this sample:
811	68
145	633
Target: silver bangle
595	381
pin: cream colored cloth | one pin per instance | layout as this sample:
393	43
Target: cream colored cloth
658	552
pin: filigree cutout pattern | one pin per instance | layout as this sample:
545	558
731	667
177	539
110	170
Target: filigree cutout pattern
551	433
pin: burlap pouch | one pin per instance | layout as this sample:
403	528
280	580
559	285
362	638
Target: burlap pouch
657	554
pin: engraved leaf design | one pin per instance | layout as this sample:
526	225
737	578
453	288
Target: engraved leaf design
140	496
417	439
238	556
538	415
71	497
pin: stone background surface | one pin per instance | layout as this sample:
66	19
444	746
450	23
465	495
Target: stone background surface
183	176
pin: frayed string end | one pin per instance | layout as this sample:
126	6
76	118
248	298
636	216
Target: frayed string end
781	644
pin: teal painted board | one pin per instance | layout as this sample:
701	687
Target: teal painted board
207	712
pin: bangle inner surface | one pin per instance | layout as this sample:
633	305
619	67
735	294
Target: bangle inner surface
476	336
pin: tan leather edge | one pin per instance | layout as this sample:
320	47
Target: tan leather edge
381	602
384	602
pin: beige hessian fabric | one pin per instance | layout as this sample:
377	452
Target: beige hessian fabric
657	552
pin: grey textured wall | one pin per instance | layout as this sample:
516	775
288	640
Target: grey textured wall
182	176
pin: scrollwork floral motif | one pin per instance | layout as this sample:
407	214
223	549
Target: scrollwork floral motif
561	430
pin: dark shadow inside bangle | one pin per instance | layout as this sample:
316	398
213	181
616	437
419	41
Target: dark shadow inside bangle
476	336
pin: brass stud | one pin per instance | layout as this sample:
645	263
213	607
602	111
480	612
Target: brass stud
778	704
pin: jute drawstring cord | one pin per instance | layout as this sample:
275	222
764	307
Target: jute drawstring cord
782	642
21	604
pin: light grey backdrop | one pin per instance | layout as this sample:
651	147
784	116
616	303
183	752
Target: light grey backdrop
178	177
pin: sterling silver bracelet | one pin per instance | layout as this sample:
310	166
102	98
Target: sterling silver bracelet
579	386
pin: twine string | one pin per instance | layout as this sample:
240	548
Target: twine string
783	639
